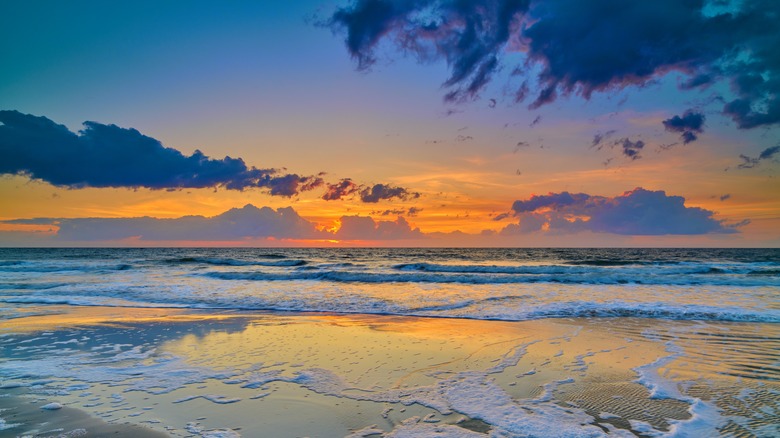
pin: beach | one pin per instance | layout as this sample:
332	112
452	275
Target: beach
229	371
191	373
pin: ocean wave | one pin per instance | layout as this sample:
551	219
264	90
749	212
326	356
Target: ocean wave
35	267
615	262
768	272
480	277
279	260
30	286
605	269
466	309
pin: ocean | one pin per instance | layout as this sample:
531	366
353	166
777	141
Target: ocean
501	284
367	342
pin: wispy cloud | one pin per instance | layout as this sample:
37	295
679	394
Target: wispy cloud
751	162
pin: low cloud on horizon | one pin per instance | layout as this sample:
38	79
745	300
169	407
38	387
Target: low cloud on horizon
638	212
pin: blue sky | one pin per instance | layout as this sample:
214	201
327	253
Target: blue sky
280	86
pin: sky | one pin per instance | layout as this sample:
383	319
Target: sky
390	123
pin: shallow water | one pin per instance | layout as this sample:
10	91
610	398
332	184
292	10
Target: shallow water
335	375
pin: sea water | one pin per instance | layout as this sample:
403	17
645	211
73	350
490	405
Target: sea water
503	284
697	328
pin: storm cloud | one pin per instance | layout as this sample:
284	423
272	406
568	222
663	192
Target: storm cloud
573	47
636	212
109	156
690	124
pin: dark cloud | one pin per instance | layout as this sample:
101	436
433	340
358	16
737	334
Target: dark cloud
535	121
461	138
413	211
751	162
469	36
631	149
236	224
637	212
395	212
502	216
341	189
370	194
690	124
379	192
581	47
365	228
725	197
110	156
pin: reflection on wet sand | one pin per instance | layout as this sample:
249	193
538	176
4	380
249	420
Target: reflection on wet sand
288	374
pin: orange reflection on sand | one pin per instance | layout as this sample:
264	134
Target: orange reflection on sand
68	317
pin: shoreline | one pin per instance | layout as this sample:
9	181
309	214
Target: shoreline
191	372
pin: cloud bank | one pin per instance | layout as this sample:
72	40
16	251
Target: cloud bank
366	228
574	47
237	224
636	212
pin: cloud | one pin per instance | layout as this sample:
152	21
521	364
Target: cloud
636	212
468	35
379	192
413	211
235	224
340	190
631	149
369	194
365	228
110	156
766	154
690	124
599	137
573	47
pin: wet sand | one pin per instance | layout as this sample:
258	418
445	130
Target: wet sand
227	374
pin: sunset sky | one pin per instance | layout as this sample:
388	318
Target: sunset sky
399	123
